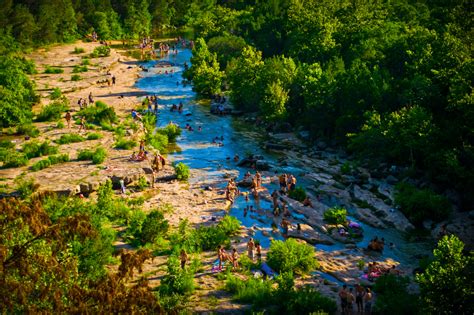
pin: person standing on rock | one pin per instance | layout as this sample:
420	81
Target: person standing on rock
258	178
368	302
113	80
83	124
350	301
235	259
122	186
250	248
68	119
360	293
343	296
183	257
91	99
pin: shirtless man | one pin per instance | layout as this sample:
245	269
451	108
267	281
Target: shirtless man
68	119
275	199
235	259
283	179
343	296
360	293
250	248
258	178
285	224
368	301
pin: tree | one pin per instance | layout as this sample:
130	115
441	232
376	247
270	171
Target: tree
447	285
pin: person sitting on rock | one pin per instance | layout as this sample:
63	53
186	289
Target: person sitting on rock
285	224
307	202
286	212
133	157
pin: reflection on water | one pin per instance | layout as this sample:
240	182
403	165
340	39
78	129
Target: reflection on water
197	150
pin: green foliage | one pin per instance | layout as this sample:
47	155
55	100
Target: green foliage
94	136
25	186
98	113
97	156
172	131
79	69
158	141
53	111
56	94
51	160
18	92
226	47
12	158
28	130
291	256
298	194
100	51
229	224
336	215
125	144
76	77
255	291
182	171
142	183
421	204
6	144
446	285
204	71
177	280
85	62
153	227
53	70
78	50
69	138
392	296
34	149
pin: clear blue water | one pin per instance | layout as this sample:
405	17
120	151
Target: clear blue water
198	151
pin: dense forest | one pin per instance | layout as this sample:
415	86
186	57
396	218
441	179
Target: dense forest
389	82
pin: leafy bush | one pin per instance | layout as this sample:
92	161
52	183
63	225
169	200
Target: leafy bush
28	130
172	131
56	94
291	255
97	157
94	136
101	51
78	50
107	126
69	138
157	141
177	280
12	158
153	227
297	194
392	296
51	160
76	77
53	70
182	171
229	224
79	69
34	149
85	62
125	144
25	186
142	183
335	215
258	292
98	113
53	111
421	204
6	144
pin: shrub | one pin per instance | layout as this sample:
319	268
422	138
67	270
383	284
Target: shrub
53	70
345	168
60	125
85	62
125	144
421	204
297	194
52	111
177	280
335	215
153	227
6	144
97	157
76	77
12	158
309	301
69	138
51	160
392	296
94	136
34	149
78	50
25	186
55	94
142	183
106	126
172	131
255	291
182	171
229	224
101	51
157	141
98	113
28	130
291	255
79	69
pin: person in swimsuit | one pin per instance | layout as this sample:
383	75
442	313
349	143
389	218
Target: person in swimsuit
68	119
235	259
360	293
183	257
343	296
368	301
250	248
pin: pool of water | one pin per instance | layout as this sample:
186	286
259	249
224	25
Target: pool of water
198	151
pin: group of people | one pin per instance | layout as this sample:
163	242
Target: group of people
362	297
178	108
287	182
253	248
376	244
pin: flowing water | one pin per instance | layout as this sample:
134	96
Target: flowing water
197	150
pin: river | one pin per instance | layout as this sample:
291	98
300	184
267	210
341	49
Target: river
197	150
